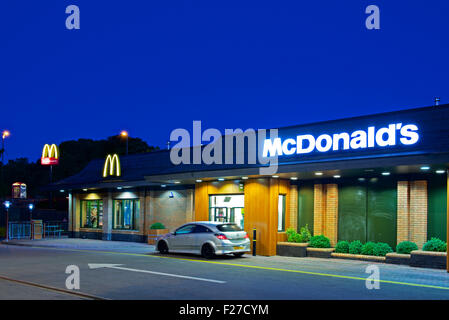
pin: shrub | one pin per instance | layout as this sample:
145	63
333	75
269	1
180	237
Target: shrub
435	244
157	225
405	247
355	247
368	248
320	241
305	233
290	232
2	232
342	247
381	249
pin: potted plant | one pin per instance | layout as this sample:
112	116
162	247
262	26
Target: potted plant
296	244
156	229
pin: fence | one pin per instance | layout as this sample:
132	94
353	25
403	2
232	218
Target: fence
25	230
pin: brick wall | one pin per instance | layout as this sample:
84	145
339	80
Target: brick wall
325	211
412	212
293	207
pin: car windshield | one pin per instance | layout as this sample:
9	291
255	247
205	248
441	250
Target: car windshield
228	227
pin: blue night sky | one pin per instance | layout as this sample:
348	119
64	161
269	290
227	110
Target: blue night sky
153	66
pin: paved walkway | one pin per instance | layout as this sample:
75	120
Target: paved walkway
86	244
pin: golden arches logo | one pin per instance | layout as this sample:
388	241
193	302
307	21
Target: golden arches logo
50	151
112	162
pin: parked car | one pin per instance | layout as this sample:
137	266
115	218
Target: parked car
206	238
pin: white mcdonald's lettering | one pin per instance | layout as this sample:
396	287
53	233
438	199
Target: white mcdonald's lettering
50	151
391	135
112	162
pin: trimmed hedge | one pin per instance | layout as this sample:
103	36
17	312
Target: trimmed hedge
342	247
405	247
320	241
368	248
157	225
435	244
301	237
355	247
381	249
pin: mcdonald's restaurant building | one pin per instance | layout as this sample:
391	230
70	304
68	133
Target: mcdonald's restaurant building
373	178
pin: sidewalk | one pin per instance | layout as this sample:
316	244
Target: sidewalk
85	244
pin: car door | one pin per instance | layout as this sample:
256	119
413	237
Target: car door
183	239
202	234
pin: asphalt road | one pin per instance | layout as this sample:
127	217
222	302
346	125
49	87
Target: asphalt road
144	276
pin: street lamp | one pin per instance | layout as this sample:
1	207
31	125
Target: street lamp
124	134
5	134
31	207
7	204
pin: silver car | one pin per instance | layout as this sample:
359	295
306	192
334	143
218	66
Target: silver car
206	238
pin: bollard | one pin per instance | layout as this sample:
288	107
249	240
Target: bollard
254	241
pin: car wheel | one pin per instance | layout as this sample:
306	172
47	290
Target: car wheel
162	247
238	254
207	251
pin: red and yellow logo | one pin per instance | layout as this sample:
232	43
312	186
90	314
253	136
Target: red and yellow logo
50	155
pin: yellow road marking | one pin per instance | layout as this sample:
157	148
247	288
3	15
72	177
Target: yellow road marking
252	267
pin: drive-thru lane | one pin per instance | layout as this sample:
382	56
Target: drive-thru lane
143	276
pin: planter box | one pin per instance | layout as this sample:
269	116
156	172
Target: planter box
320	252
428	259
398	258
153	234
291	249
357	257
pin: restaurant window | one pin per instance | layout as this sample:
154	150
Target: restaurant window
92	214
125	214
281	213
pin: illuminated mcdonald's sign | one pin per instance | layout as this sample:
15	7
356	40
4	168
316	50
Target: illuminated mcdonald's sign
112	166
50	155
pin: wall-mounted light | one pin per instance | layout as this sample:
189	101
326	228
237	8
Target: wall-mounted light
84	189
294	178
275	176
318	173
440	171
220	179
119	188
62	190
7	204
31	206
386	173
199	180
163	185
177	182
337	176
245	178
424	168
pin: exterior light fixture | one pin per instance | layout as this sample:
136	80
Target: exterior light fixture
119	188
163	185
318	173
275	176
440	171
337	176
294	178
245	178
62	190
386	173
199	180
7	204
31	206
220	179
124	133
425	168
84	189
177	182
361	179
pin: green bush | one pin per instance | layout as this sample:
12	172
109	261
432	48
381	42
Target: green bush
290	232
405	247
368	248
381	249
435	244
320	241
157	225
305	233
355	247
342	247
2	232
